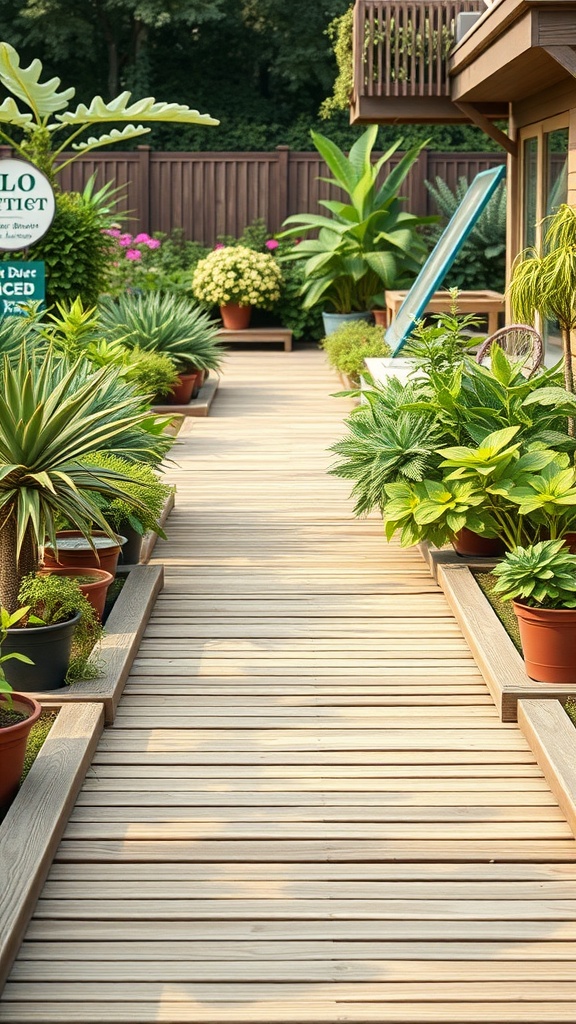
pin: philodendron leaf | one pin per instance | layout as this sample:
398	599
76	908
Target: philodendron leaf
120	109
10	114
131	131
42	97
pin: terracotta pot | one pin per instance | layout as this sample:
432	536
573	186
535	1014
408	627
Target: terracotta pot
74	550
13	740
548	642
380	317
183	391
235	317
48	648
95	590
466	542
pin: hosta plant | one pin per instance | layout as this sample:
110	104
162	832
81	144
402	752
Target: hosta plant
542	574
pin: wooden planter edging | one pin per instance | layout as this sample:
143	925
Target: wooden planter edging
495	654
33	827
552	738
435	557
124	628
198	406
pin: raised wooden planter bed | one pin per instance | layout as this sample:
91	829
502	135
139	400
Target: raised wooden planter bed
495	654
435	557
552	738
263	335
34	824
198	406
124	628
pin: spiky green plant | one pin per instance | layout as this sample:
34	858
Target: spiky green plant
544	282
163	323
542	574
52	416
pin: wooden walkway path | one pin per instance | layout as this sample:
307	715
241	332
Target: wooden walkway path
307	810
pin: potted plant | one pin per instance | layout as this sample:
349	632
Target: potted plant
237	279
348	347
540	580
18	714
167	325
369	243
58	634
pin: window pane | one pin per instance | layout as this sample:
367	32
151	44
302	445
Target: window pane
556	169
530	193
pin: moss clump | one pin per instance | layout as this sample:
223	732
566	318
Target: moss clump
38	734
504	610
570	709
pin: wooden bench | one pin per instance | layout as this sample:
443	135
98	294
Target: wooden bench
488	302
261	334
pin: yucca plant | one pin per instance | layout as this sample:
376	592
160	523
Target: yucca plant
163	323
53	417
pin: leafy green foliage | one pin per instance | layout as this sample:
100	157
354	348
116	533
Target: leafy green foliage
481	262
54	598
152	374
163	324
7	621
75	252
543	574
143	497
352	343
368	244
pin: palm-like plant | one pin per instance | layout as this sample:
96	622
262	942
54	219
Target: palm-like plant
368	244
52	416
163	323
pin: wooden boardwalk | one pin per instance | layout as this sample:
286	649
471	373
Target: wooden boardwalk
307	810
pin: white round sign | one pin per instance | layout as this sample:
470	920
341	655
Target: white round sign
27	204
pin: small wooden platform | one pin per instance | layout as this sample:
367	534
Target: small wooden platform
263	335
484	302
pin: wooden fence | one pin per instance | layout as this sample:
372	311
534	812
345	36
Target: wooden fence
212	194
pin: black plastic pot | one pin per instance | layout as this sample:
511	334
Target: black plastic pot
49	647
131	549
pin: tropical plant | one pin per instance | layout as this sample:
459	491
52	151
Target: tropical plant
350	344
239	275
9	621
164	324
544	282
542	574
47	115
368	244
481	262
52	415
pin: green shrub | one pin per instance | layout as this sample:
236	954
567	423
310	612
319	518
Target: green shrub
75	251
352	343
152	373
55	598
481	262
147	491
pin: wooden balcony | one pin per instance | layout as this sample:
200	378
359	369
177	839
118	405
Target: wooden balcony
401	52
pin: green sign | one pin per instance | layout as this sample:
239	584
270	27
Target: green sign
20	283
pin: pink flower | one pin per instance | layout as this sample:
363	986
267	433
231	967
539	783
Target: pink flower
219	245
125	240
113	232
143	237
133	254
153	243
272	244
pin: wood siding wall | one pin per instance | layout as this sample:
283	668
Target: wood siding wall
211	194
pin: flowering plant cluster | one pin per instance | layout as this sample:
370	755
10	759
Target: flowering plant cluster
236	274
132	260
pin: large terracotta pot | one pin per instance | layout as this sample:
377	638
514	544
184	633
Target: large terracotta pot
95	588
13	740
466	542
235	317
380	317
548	638
74	550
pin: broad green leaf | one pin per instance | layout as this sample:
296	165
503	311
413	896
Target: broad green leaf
43	98
120	109
131	131
10	114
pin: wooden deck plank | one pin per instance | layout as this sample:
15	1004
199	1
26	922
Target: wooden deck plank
307	810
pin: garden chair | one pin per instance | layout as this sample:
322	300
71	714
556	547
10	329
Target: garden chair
519	341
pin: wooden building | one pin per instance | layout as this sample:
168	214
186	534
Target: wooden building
480	62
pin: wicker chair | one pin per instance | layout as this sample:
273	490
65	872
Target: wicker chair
519	341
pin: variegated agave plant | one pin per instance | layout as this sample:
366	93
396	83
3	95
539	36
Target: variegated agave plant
47	115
